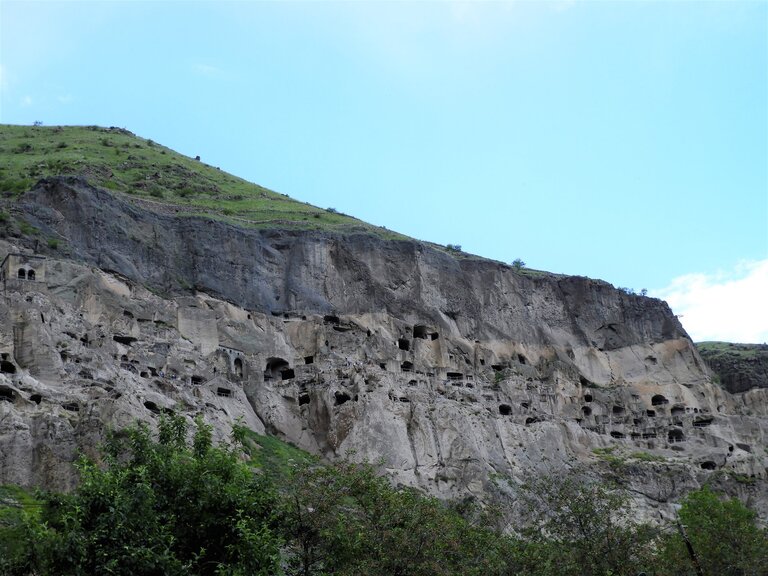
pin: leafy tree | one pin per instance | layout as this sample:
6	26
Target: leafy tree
518	264
582	528
346	520
723	535
161	507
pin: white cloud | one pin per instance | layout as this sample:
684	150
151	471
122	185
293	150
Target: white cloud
26	102
730	305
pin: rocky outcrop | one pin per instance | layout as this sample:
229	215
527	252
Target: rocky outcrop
460	375
739	367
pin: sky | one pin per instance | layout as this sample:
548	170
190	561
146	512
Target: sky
626	141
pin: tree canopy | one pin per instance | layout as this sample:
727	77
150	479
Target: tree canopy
178	505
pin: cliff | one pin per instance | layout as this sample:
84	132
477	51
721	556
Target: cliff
739	367
460	375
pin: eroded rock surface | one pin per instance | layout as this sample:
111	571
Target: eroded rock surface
452	372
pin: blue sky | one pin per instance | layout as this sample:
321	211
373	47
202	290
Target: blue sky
626	141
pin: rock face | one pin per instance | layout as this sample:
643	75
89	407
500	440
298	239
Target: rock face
740	367
451	371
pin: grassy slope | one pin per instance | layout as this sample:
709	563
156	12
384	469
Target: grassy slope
744	351
117	160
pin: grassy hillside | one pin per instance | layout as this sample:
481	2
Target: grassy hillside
116	159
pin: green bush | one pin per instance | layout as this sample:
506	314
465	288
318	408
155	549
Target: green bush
724	537
160	507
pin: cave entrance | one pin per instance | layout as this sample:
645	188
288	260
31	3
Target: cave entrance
22	274
341	397
675	435
31	275
659	400
7	367
275	368
238	366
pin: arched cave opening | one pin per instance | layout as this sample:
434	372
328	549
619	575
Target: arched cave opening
274	368
406	366
31	275
659	400
505	409
238	367
403	344
22	274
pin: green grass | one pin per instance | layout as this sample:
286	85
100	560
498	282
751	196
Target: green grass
119	161
713	350
647	457
274	457
17	505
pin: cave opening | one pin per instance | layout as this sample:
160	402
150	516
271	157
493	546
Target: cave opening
659	400
420	331
675	435
341	397
274	368
7	367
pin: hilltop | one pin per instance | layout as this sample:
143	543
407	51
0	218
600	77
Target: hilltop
121	162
